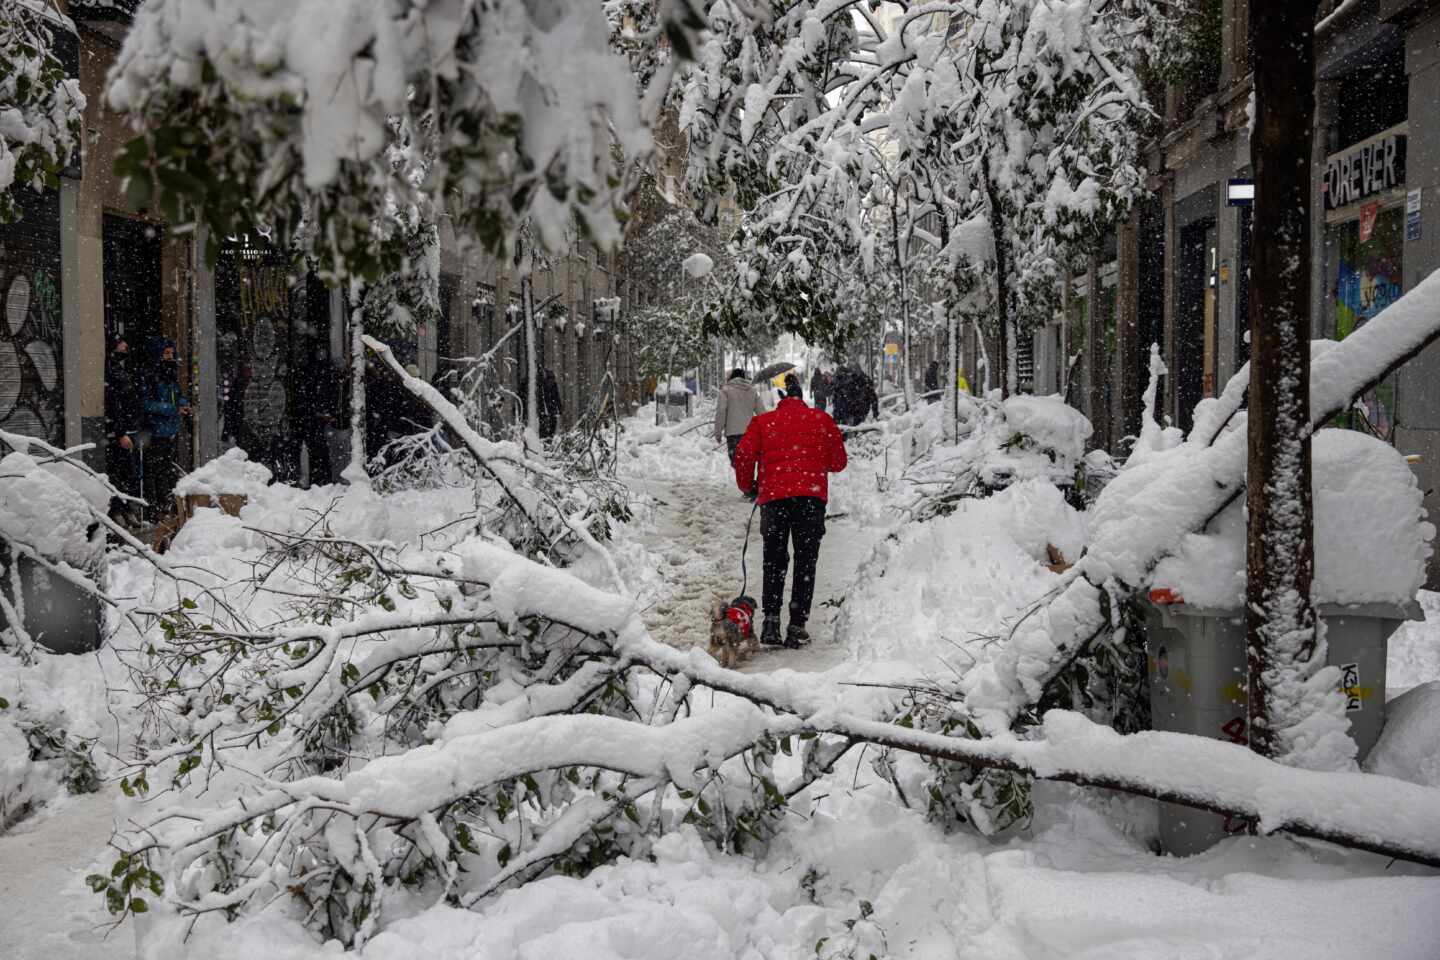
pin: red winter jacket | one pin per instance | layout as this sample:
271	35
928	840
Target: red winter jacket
795	447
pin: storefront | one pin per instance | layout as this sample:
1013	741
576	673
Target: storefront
1364	197
276	376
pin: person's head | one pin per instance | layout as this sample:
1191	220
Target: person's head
121	346
792	386
737	374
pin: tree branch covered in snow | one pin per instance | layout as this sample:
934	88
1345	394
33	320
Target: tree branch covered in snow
1146	511
279	113
1022	115
517	720
41	109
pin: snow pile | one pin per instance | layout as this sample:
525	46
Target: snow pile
52	519
1409	745
950	585
1050	423
230	473
1371	537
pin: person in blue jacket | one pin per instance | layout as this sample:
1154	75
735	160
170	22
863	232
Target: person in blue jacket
166	408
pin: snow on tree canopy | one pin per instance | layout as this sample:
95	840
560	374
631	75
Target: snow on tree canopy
1372	540
281	112
698	265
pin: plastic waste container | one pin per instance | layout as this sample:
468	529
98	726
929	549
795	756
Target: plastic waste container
672	406
1197	669
57	614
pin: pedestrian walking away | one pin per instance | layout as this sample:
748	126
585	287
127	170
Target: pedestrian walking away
788	454
819	389
932	380
855	396
738	404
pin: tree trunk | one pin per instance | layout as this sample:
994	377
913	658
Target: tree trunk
952	384
532	366
904	302
1095	351
355	473
1283	649
1002	288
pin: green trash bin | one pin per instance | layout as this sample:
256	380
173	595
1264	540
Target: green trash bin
57	614
1196	659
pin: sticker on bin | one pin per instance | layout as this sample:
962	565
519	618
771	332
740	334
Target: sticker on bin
1350	686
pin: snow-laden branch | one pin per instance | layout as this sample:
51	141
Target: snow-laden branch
1146	511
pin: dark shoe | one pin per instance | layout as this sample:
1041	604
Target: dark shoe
796	636
770	632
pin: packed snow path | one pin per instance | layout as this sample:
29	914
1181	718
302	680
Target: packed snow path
694	523
49	914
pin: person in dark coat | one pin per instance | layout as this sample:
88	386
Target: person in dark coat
124	417
854	396
166	408
932	378
819	389
793	449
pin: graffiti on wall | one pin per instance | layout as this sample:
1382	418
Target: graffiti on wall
31	378
1368	279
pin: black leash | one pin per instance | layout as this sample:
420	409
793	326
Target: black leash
744	575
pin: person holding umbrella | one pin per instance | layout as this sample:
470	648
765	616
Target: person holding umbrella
793	449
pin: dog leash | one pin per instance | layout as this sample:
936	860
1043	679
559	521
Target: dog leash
744	575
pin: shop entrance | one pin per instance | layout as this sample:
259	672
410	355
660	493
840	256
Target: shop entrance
131	252
279	387
1194	319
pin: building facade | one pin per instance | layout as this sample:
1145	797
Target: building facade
83	268
1183	256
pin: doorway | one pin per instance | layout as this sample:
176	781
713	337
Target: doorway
131	258
1194	319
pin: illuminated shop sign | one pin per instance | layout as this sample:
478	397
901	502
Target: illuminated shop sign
1362	171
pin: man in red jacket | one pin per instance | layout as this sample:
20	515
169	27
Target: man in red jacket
795	447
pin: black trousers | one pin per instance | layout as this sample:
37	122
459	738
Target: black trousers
801	521
317	441
162	472
732	442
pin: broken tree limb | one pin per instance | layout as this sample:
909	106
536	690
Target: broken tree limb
1147	510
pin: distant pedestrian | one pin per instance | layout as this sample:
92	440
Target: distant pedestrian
793	449
737	405
166	408
819	389
124	418
855	396
932	379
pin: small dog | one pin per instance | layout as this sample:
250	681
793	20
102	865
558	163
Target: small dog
732	631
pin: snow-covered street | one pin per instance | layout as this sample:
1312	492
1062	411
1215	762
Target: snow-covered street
856	867
49	913
400	400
